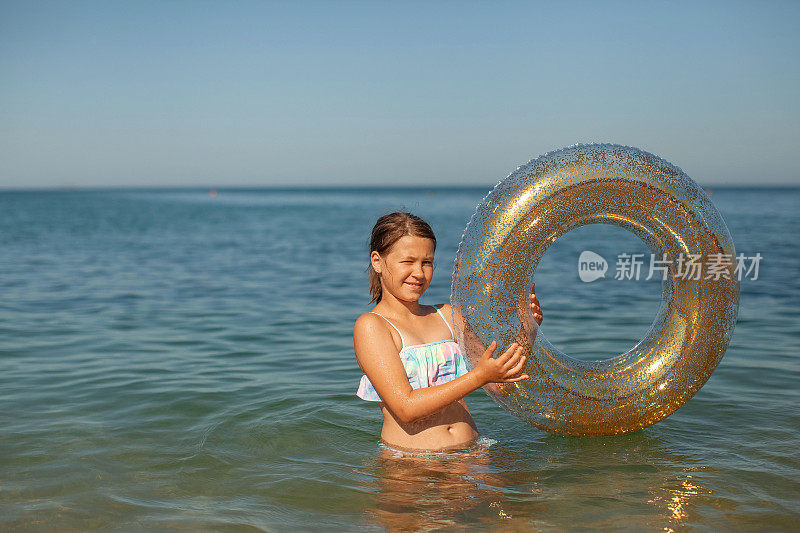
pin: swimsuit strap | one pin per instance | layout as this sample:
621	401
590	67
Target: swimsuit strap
395	328
446	322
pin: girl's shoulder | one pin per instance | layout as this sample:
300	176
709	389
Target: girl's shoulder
370	327
367	320
369	324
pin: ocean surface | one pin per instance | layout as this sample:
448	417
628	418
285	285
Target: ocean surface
170	359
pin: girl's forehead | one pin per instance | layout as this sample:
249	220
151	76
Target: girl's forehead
412	245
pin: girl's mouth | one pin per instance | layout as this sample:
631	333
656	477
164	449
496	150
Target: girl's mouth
414	285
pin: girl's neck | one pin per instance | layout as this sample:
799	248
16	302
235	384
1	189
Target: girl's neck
399	308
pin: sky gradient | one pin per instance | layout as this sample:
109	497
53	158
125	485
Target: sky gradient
222	94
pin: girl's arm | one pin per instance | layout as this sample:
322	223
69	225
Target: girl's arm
378	358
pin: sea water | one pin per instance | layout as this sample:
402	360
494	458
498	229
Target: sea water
172	359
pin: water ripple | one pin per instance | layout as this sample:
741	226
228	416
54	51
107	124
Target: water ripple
169	361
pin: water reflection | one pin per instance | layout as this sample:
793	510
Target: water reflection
679	502
633	481
416	492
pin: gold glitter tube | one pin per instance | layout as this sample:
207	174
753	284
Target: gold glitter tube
510	232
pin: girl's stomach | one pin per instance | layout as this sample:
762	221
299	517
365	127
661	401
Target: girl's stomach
452	427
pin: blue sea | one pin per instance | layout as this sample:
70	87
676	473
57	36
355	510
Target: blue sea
171	359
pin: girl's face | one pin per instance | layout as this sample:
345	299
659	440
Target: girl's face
407	269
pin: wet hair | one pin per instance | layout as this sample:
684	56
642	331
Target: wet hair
388	230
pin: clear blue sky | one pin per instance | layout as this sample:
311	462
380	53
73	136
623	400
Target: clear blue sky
325	93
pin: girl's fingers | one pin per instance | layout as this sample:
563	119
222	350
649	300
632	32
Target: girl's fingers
513	361
536	310
519	366
508	353
534	299
489	350
503	359
514	374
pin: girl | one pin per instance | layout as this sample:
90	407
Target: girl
413	367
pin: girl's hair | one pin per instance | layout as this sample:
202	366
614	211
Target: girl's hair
388	230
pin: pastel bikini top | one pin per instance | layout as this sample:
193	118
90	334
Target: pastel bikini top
429	364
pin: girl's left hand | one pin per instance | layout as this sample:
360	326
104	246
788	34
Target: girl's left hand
536	311
530	317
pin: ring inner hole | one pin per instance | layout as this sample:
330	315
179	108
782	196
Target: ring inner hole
600	319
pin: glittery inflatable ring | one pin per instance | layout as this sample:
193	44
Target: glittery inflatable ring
526	213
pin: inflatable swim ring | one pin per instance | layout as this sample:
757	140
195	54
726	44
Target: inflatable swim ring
526	213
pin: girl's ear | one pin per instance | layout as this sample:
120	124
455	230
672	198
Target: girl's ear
375	259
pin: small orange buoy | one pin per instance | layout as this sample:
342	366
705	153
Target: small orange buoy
212	193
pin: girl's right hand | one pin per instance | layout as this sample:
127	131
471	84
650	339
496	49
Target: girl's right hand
504	369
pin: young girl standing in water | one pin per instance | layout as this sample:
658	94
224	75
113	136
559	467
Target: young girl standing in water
413	367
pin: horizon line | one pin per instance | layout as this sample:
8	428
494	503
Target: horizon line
240	188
